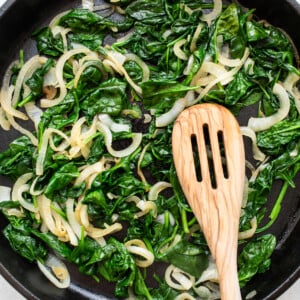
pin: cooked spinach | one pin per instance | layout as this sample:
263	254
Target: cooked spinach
155	27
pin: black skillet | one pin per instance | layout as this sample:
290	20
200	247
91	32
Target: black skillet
18	18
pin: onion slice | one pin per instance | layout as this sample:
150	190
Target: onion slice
136	141
259	124
56	271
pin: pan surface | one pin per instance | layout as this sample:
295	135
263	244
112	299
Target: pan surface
18	18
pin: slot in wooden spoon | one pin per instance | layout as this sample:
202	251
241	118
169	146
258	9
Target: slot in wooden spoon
209	158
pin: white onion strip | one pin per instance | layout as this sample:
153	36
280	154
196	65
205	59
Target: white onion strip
157	188
44	206
168	117
113	126
141	63
184	296
71	217
138	247
257	154
259	124
56	271
178	51
5	193
214	13
59	75
136	141
43	148
250	232
225	76
19	188
178	279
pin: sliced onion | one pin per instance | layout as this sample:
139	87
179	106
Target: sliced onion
250	232
93	63
64	229
139	169
117	62
4	123
146	207
257	154
141	63
19	188
34	113
217	70
259	124
139	248
214	13
59	76
210	273
113	126
89	170
56	271
32	190
99	232
136	141
87	4
193	44
26	71
184	296
71	217
161	218
178	279
21	129
44	205
5	193
224	77
157	188
43	148
178	51
169	117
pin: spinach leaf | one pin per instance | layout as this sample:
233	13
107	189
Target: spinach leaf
18	233
35	83
81	20
162	93
109	98
255	257
61	115
188	257
273	140
61	179
92	41
47	44
53	243
17	159
147	12
119	268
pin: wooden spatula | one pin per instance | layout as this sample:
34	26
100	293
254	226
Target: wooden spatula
209	158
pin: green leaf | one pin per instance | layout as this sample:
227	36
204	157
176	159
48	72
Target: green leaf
188	257
17	159
255	257
109	98
61	179
47	44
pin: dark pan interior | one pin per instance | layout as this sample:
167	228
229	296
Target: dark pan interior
18	18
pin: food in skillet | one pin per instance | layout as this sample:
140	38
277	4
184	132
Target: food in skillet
94	182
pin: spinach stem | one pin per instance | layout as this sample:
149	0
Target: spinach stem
184	221
276	208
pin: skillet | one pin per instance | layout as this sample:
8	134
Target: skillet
18	18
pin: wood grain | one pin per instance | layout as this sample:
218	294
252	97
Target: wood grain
217	209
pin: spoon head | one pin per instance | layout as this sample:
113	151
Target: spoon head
209	158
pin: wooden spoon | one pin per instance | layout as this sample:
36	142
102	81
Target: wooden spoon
213	183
